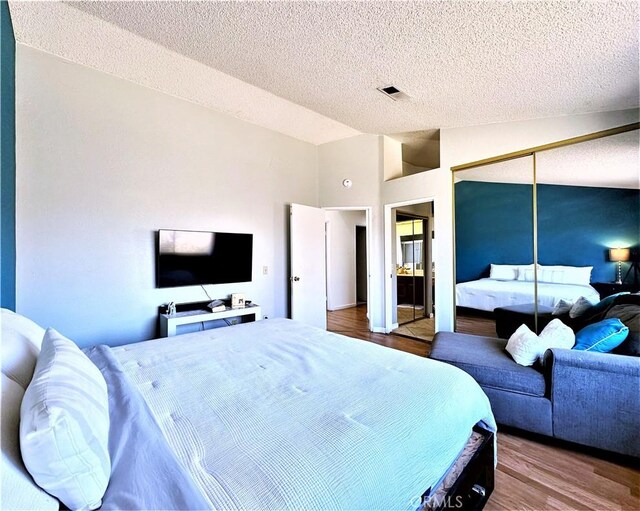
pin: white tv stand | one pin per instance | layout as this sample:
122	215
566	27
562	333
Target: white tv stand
169	323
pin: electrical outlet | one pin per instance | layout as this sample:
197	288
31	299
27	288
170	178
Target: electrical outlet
265	270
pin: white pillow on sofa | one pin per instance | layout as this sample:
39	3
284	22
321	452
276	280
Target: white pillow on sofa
18	491
525	347
64	427
556	335
21	340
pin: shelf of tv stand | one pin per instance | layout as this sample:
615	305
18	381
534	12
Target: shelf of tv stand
169	323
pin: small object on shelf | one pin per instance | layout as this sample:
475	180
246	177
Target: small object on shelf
217	306
237	300
171	308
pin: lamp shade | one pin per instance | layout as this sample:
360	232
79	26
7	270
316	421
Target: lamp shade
619	254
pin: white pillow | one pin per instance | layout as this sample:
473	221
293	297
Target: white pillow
524	346
525	272
21	339
527	275
576	275
64	425
551	276
555	335
503	272
18	491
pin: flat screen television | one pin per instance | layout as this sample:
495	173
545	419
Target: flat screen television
188	258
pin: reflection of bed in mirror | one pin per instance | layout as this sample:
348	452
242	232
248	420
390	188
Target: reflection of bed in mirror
513	285
488	294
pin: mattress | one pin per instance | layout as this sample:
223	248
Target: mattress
487	294
279	415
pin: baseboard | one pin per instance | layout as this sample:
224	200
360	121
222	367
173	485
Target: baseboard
378	330
393	327
340	307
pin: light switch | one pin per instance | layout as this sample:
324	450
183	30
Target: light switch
265	270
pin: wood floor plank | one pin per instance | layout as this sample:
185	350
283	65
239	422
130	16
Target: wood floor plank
531	474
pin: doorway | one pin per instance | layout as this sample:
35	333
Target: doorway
361	264
409	297
411	257
347	262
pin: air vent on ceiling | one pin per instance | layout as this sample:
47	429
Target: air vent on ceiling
392	92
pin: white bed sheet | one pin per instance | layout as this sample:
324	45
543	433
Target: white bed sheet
487	294
278	415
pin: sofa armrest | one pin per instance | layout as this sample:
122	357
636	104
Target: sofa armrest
558	359
595	399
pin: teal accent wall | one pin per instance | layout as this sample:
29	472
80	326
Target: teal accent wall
7	162
576	226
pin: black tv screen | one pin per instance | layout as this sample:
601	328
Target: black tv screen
188	258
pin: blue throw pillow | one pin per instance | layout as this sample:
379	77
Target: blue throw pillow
602	336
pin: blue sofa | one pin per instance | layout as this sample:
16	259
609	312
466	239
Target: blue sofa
589	398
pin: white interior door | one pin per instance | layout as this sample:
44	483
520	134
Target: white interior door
308	278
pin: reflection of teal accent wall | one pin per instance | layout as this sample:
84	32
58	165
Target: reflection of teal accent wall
494	224
576	226
7	163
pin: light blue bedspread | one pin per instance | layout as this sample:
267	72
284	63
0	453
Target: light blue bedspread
145	473
277	415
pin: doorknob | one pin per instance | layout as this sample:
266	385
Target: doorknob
295	279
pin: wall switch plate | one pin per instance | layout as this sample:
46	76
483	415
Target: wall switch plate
265	270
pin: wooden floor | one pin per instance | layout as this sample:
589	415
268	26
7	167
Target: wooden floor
533	473
468	322
354	323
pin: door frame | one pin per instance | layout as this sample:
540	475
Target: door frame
389	268
368	224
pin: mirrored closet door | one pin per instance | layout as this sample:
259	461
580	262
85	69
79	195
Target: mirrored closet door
494	242
545	227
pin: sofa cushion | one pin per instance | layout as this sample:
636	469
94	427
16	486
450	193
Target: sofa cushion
629	314
486	360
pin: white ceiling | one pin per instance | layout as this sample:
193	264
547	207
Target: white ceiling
460	63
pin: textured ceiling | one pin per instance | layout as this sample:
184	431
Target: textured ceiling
74	35
610	162
460	63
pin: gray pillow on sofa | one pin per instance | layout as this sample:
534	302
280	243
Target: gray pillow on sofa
629	314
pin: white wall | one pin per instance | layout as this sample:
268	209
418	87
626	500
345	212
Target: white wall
103	163
341	257
359	159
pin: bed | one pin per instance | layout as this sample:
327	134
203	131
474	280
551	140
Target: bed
279	415
513	285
